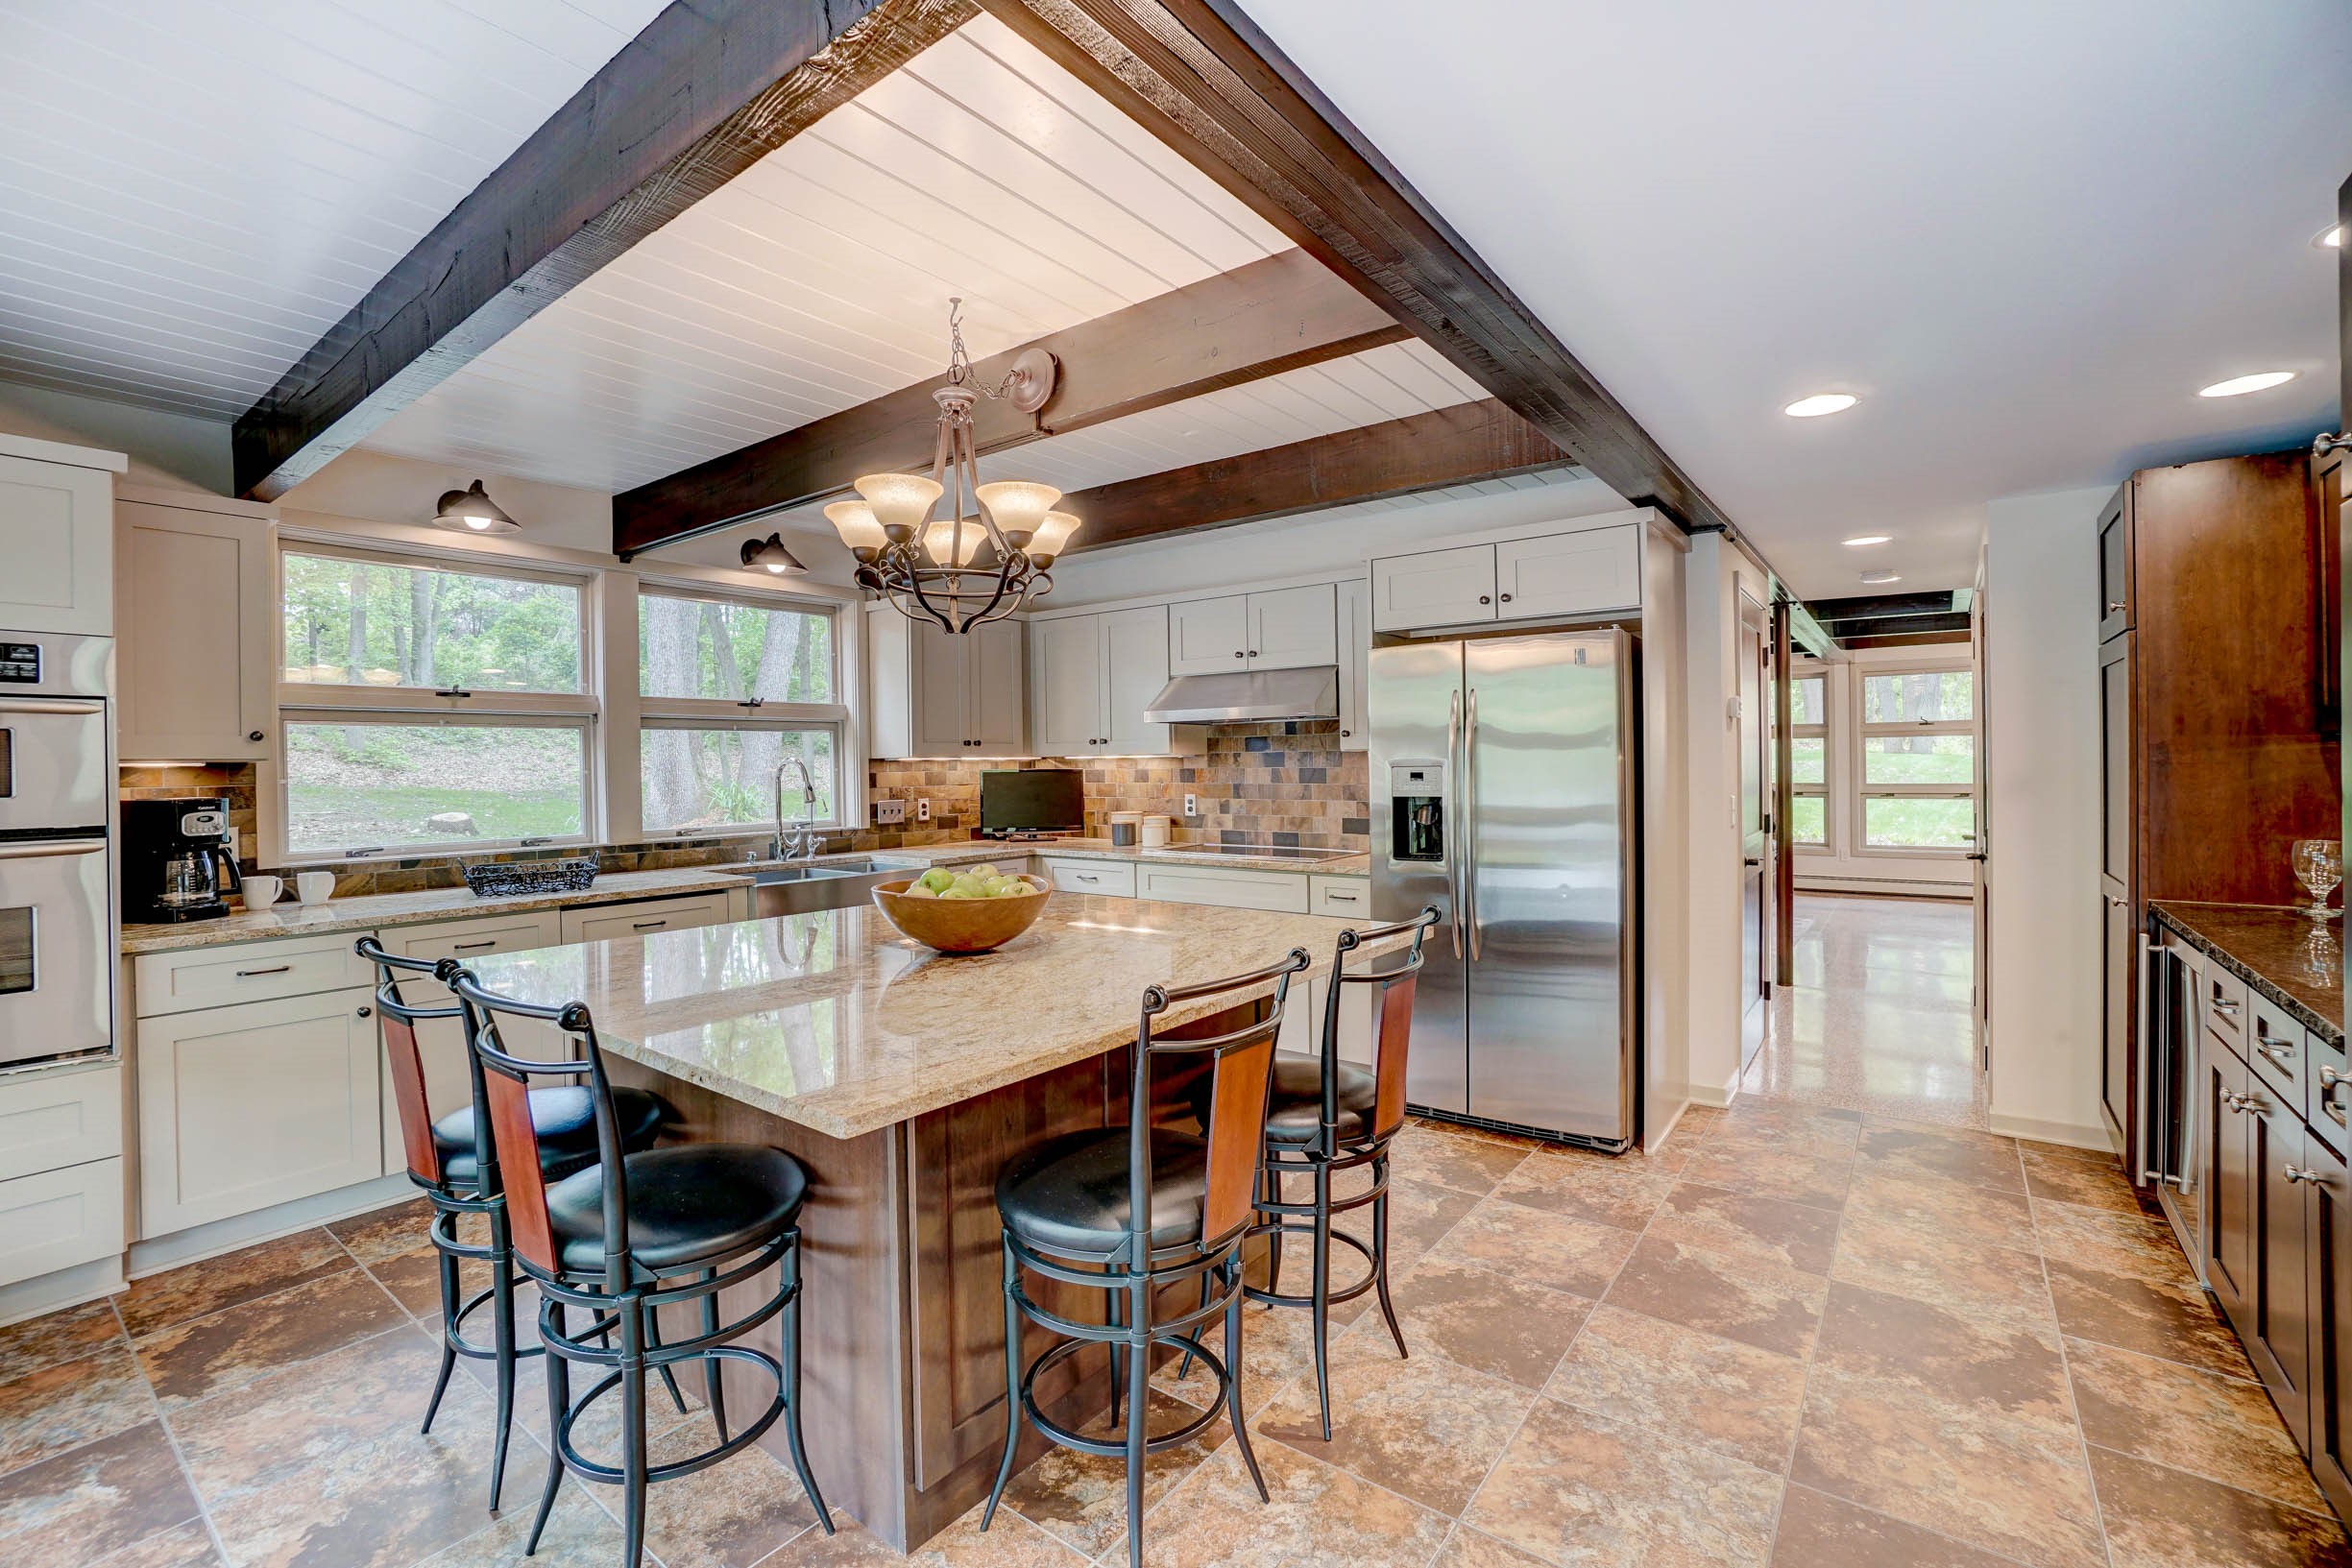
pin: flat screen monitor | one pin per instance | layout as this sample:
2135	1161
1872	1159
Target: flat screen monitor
1037	800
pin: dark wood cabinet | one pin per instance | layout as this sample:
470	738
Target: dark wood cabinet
2115	566
2280	1342
2328	1248
2119	1025
2230	1179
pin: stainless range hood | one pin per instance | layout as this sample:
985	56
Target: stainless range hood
1247	695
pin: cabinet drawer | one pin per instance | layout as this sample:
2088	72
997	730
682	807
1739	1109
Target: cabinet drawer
605	922
59	1218
1114	877
1350	897
2278	1052
1281	891
244	1107
178	983
2225	1006
52	1119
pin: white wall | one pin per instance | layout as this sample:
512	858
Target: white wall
1666	811
1341	540
1715	573
167	451
2041	706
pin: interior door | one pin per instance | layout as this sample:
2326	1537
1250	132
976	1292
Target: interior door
1981	858
1755	928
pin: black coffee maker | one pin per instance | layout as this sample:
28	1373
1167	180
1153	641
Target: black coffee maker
176	859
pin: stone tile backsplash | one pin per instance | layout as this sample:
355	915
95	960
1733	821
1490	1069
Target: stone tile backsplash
1282	782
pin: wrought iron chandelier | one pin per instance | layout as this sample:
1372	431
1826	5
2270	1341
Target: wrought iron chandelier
974	564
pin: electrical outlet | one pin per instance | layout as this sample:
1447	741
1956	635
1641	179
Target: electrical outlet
889	812
1192	805
922	809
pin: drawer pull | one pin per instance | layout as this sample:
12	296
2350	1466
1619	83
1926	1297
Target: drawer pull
469	946
2274	1050
648	925
274	969
2228	1009
2298	1173
1342	898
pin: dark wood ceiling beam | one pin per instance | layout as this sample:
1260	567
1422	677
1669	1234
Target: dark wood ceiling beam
1201	77
1276	314
1458	445
706	90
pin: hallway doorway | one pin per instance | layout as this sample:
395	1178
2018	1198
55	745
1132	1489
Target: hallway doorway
1880	1017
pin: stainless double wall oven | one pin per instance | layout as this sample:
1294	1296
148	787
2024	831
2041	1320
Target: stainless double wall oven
56	794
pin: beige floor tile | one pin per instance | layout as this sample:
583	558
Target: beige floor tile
732	1515
1320	1517
1747	1225
184	1546
58	1337
1482	1319
93	1500
1976	1276
1979	1159
1764	1304
1682	1384
1989	1363
1818	1530
1081	1499
1549	1249
1790	1175
202	1356
2163	1518
69	1404
1574	1488
1452	1159
1928	1205
2096	1186
1010	1541
1467	1548
247	1274
2220	1428
1623	1191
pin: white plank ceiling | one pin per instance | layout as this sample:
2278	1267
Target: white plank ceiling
192	191
820	279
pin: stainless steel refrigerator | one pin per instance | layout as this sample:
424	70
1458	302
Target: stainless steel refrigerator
1502	784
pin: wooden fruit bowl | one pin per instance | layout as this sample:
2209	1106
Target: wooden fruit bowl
961	924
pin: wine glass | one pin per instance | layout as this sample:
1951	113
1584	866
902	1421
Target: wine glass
2319	865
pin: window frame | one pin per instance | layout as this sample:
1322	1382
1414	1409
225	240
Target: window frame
1864	792
1798	789
753	714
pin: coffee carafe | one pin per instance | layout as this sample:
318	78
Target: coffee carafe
177	865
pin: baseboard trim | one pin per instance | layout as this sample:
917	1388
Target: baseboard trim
154	1254
1715	1097
2072	1134
66	1287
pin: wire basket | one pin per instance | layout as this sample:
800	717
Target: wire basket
506	879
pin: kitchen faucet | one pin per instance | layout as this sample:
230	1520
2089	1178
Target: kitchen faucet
802	845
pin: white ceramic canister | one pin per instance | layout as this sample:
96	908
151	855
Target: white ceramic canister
1155	832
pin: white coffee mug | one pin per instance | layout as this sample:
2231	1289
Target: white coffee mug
260	892
315	886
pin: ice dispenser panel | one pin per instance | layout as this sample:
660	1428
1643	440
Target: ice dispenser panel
1416	812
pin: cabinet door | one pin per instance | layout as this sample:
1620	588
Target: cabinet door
2115	761
1208	636
1135	648
2114	606
57	535
195	661
1293	628
1568	575
995	706
1355	666
937	676
243	1108
1065	667
2280	1345
2119	1010
2229	1185
1435	588
2328	1227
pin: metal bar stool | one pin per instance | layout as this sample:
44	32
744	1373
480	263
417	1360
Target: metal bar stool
1324	1116
636	1233
1127	1209
453	1160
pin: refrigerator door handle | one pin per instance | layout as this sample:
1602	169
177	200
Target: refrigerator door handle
1453	851
1470	813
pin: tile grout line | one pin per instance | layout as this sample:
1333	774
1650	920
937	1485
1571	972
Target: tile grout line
163	1425
2320	1513
2065	1369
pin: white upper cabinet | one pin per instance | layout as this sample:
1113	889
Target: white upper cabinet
1355	628
193	604
56	538
1585	573
1281	629
1091	678
1568	575
1208	636
939	693
1434	587
1293	628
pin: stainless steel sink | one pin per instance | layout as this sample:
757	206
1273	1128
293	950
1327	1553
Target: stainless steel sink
798	890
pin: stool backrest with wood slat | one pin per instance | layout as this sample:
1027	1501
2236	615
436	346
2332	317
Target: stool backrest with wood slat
1394	982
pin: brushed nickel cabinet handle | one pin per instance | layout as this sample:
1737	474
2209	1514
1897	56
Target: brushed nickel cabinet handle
469	946
647	925
274	969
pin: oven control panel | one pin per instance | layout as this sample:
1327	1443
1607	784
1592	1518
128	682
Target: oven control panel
20	663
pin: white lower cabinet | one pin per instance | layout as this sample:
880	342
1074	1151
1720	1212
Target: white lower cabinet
52	1119
1114	878
1343	897
605	922
244	1106
59	1218
1284	892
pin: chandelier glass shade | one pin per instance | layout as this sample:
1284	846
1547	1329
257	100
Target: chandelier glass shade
991	550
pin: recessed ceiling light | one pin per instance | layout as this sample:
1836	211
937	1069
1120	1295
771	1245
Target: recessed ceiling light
1860	539
1882	577
2238	386
1820	404
2330	238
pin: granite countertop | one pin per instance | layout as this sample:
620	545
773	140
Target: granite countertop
371	910
2268	948
834	1022
375	909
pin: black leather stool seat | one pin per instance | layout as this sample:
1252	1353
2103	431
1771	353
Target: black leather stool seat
1069	1194
1294	1099
566	1118
696	1203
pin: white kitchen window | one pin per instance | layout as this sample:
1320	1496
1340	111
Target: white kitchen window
1916	771
428	706
1808	771
730	687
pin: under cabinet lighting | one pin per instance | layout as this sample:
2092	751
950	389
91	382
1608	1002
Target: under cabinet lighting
2238	386
1820	404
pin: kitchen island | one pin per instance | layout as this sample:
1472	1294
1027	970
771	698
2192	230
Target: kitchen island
903	1079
